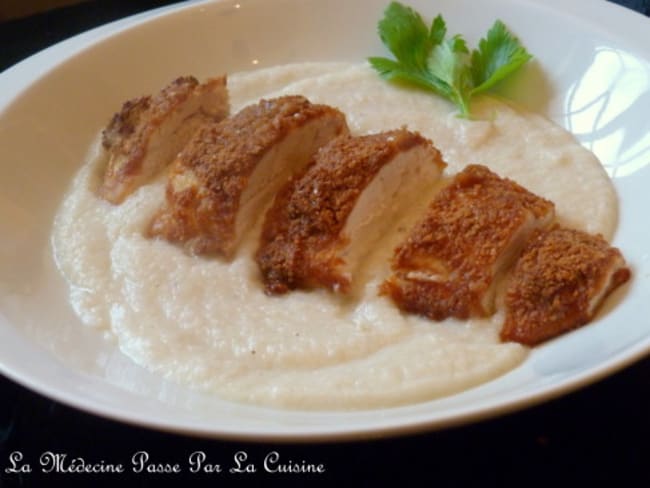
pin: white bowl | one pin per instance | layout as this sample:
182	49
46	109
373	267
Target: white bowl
591	75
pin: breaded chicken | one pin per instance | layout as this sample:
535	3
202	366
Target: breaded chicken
324	220
147	134
561	278
230	170
470	235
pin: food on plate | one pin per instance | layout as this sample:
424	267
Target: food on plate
428	59
323	221
206	323
558	284
472	232
147	133
230	169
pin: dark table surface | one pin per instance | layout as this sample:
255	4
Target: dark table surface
598	434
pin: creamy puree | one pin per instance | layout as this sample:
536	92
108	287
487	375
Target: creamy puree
207	323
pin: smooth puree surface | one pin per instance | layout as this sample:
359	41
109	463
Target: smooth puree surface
207	323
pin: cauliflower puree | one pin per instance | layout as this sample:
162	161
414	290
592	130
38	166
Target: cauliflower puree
207	323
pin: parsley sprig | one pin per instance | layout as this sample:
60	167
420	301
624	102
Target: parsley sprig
427	58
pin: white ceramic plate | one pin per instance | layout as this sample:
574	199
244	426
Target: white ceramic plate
591	75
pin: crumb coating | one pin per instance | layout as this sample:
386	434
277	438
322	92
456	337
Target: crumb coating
208	178
447	264
127	135
558	283
302	235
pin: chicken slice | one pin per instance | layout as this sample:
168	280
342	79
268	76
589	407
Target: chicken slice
230	170
471	234
324	220
558	283
146	135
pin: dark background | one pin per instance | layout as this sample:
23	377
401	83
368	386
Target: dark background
599	435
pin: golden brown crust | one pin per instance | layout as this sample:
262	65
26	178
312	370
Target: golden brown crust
208	178
447	264
302	233
559	274
127	136
124	123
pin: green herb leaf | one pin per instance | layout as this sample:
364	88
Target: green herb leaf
438	30
405	34
428	59
498	55
448	63
393	71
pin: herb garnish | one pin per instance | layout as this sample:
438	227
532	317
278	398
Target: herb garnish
426	57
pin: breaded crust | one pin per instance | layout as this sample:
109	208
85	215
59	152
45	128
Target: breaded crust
446	267
302	235
129	136
558	283
208	178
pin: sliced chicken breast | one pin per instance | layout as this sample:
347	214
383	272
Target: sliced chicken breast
324	220
472	232
558	284
230	171
147	134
